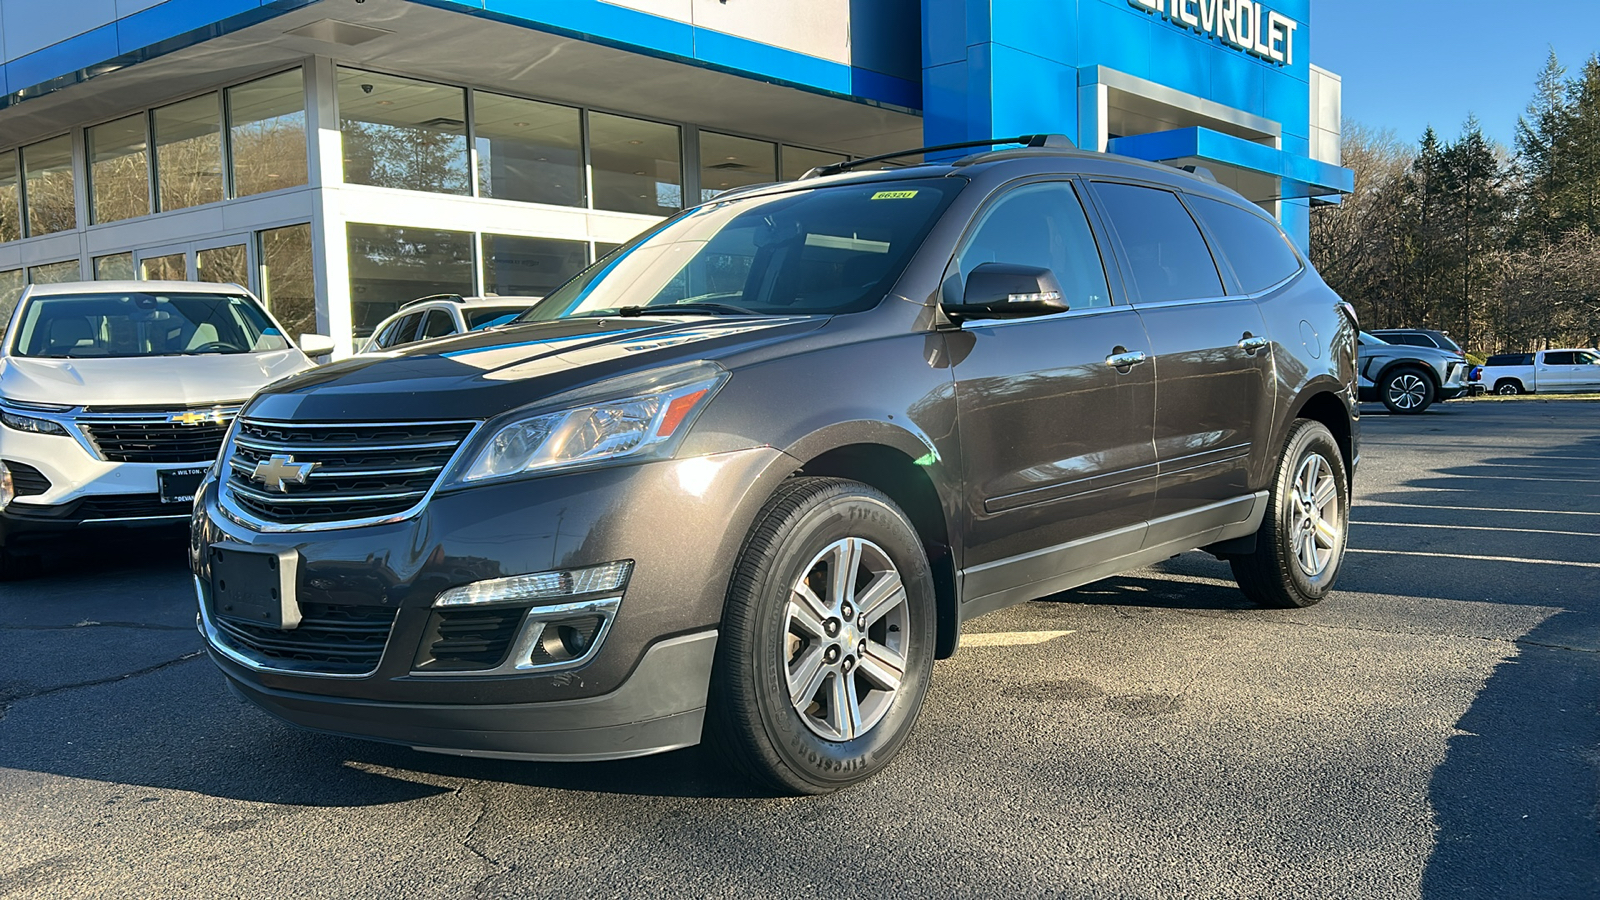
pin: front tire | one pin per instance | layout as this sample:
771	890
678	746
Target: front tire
827	640
1406	391
1300	546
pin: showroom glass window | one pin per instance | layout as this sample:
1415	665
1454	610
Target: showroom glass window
119	170
1039	225
529	267
1259	252
286	277
1169	258
390	266
55	273
173	267
267	134
188	141
11	284
115	267
727	162
798	160
403	133
50	187
10	198
637	165
528	151
223	265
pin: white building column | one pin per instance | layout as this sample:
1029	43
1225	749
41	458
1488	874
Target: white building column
329	248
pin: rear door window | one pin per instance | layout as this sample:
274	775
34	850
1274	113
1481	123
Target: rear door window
1258	251
439	324
1561	358
1167	257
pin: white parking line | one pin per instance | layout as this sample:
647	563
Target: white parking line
1509	559
1480	528
1521	478
1010	638
1535	512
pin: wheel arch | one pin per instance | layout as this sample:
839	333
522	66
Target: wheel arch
885	462
1328	407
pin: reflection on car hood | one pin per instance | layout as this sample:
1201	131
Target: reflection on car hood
482	374
175	381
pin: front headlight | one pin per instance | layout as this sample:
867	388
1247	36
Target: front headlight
653	412
29	424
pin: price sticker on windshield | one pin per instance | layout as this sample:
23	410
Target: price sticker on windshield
894	195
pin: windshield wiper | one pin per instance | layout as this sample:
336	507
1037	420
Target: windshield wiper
673	309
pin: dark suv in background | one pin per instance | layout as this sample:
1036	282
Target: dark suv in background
744	479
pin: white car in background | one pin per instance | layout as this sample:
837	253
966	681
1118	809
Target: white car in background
442	315
114	398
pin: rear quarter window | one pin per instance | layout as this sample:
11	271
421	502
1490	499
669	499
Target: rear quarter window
1258	251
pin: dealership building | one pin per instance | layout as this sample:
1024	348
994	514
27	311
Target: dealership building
340	157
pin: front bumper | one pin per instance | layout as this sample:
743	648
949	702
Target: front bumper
661	707
643	690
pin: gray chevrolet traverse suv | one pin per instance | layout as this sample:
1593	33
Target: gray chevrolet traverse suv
743	480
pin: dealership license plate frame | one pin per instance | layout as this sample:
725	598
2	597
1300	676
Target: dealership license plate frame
180	485
255	585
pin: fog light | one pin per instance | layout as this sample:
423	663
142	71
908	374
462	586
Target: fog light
608	577
566	641
7	489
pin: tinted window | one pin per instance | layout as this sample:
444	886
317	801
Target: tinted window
1040	225
489	316
1168	256
1511	359
1259	252
439	324
1561	358
1588	359
1410	340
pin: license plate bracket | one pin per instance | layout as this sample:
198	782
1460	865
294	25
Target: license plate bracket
254	585
180	485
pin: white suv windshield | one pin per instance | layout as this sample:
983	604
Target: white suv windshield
131	324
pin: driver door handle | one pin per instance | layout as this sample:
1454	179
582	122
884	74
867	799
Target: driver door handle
1123	359
1250	343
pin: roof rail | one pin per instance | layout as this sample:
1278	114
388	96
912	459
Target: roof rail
453	298
1053	141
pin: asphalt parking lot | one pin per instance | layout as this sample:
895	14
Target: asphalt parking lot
1430	730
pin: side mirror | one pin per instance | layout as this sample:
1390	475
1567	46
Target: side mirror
316	344
1005	291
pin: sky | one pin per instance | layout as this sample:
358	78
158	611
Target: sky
1407	64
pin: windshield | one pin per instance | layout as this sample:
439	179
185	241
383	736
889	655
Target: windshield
821	251
1370	339
132	324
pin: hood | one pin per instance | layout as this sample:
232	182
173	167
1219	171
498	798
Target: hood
482	374
175	381
1407	351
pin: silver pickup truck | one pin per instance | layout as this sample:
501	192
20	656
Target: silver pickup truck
1568	370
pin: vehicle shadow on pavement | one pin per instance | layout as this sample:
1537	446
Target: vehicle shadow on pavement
1514	801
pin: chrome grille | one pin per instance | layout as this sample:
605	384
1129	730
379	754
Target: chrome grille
157	435
363	471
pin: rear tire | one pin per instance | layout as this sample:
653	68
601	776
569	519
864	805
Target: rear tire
1300	546
1406	391
804	699
1508	388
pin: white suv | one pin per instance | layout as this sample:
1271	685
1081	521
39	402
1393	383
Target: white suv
114	397
442	315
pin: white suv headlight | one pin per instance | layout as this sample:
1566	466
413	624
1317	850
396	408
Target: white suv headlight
647	419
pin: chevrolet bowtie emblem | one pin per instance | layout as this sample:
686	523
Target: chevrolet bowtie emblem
278	471
195	418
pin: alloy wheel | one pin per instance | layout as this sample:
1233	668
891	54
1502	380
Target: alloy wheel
845	640
1314	534
1408	391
